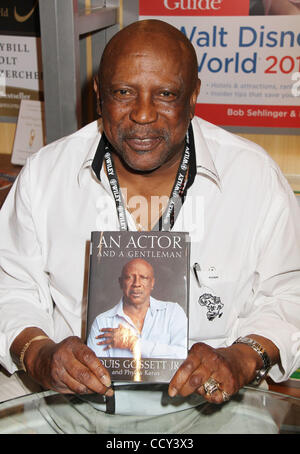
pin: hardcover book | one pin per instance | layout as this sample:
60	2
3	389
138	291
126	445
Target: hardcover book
137	316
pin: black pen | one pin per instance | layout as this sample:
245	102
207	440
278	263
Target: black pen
196	268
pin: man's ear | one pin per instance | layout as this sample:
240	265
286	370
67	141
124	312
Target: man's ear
193	98
97	91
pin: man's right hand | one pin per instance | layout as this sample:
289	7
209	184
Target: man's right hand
67	367
120	337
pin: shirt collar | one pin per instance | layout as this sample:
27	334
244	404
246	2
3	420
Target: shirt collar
204	160
86	170
155	305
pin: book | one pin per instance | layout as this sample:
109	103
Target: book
30	134
138	299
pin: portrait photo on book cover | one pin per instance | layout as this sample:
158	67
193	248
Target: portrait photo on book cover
138	320
138	296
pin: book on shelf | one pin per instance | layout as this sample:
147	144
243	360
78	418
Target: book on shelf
137	314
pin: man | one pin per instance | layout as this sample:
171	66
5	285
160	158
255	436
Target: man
247	247
156	329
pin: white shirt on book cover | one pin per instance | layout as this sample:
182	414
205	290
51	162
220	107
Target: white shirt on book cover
164	333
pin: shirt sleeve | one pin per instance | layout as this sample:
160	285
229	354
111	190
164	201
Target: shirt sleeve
273	311
177	346
25	300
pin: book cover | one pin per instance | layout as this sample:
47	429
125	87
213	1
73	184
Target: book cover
137	316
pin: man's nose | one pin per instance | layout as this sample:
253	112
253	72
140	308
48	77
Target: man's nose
136	281
143	111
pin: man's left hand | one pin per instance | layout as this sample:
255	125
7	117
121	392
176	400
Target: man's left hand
228	368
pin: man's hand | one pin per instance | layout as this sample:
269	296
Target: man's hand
120	337
231	367
67	367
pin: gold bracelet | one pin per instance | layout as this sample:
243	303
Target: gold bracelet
24	349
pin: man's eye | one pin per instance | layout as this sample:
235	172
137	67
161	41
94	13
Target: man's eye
122	92
167	94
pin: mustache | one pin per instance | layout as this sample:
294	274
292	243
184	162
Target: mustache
142	133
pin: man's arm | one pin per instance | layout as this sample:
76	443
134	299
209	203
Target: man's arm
67	367
27	307
272	313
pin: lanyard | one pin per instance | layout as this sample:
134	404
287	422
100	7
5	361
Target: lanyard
178	192
115	188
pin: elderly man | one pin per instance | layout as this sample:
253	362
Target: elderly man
246	244
158	329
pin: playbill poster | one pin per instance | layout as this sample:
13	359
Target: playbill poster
21	75
248	55
137	318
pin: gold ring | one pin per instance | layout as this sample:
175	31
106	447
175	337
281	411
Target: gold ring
226	396
210	386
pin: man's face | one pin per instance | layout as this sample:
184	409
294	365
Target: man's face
137	282
147	102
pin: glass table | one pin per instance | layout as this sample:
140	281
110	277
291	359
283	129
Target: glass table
27	415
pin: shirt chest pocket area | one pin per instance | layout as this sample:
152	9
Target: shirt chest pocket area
213	297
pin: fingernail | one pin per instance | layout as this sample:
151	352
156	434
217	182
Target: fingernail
106	381
172	392
109	392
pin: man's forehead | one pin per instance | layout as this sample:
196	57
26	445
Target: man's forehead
160	63
138	266
150	47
